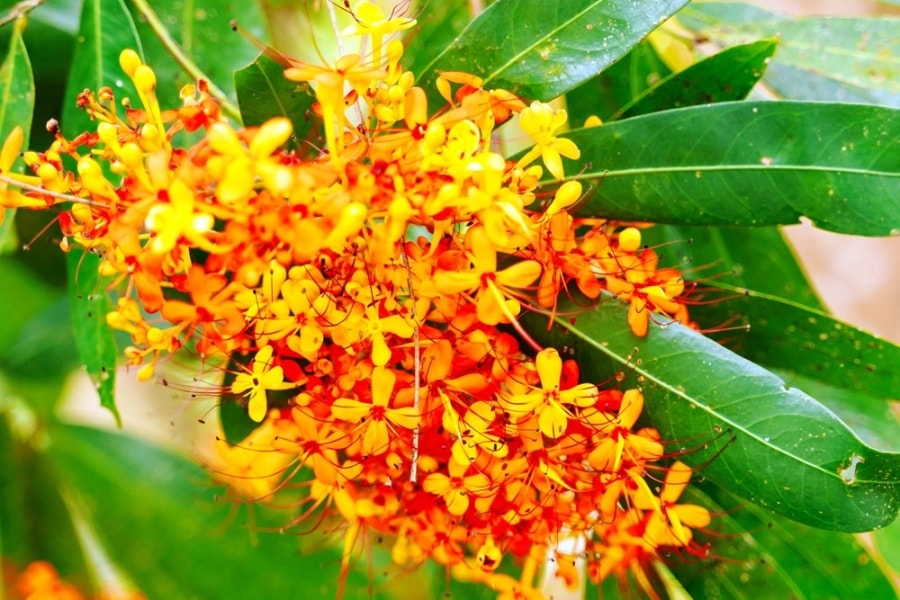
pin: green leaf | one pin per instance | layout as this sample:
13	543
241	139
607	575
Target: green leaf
733	255
769	443
158	517
806	341
16	108
847	58
94	338
202	29
747	163
887	543
25	297
620	84
767	556
871	418
263	93
105	30
44	345
435	30
540	49
34	522
728	75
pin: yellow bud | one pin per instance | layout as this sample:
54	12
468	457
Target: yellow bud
272	135
131	155
630	239
11	148
593	121
144	79
108	134
224	140
145	373
567	195
151	136
47	172
129	61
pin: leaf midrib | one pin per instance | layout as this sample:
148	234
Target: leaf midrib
669	388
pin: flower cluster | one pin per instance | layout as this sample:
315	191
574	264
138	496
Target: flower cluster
377	285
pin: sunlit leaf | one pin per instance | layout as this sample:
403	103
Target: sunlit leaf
733	417
747	163
540	49
851	59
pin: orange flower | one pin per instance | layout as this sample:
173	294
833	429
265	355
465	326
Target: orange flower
376	419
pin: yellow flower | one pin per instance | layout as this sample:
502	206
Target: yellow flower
261	378
540	121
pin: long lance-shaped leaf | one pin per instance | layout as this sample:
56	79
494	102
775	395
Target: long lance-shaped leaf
105	30
750	433
728	75
540	49
747	163
766	556
784	334
16	106
850	59
754	258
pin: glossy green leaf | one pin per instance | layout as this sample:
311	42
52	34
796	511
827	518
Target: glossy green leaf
263	93
747	163
871	417
769	443
763	555
159	518
105	29
728	75
34	522
436	28
757	258
540	49
16	108
202	30
783	334
618	85
820	58
94	338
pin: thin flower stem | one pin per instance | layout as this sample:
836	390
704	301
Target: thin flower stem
43	192
21	9
183	60
417	367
